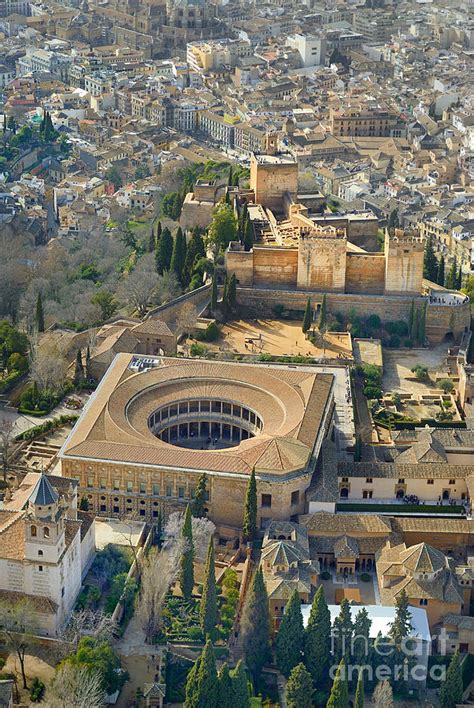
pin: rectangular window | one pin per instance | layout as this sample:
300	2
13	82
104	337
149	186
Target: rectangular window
452	481
103	507
430	481
156	489
155	514
368	480
181	492
103	483
266	501
90	481
401	480
423	601
142	487
295	498
169	490
116	509
116	484
129	486
40	568
142	512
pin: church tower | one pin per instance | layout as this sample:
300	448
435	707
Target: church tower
45	535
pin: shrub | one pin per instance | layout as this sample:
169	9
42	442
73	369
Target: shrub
279	309
210	334
373	321
325	575
365	577
9	381
197	349
37	690
421	372
195	634
446	385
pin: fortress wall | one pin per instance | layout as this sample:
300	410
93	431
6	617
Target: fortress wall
322	263
240	263
275	266
365	273
270	182
440	320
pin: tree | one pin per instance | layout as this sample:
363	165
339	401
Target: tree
452	276
240	688
451	693
113	175
342	632
361	638
79	369
214	293
307	317
299	689
202	686
105	299
208	613
225	687
249	529
290	638
393	219
39	314
248	235
48	364
194	252
200	497
459	279
256	627
97	655
359	696
18	621
223	227
430	262
383	695
232	293
76	687
88	363
400	629
6	438
178	256
140	287
187	559
440	275
339	697
322	315
164	251
317	645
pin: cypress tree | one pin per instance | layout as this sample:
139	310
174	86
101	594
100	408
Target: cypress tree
232	292
411	319
242	219
157	230
240	687
79	369
322	314
422	324
200	497
342	632
164	251
451	692
459	279
39	315
400	629
194	252
440	276
88	363
186	578
152	241
359	696
290	638
208	615
225	687
178	257
430	262
307	318
202	685
452	276
339	697
256	627
299	689
249	528
393	220
361	638
317	641
231	177
248	234
214	293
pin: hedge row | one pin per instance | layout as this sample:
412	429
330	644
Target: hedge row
48	425
402	508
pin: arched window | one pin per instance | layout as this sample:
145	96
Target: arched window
40	553
34	532
46	533
344	493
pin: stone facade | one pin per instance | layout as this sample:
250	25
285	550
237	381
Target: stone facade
271	177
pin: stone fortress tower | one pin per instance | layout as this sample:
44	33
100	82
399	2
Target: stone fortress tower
403	262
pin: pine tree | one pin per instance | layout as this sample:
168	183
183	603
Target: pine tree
383	695
202	685
430	262
307	317
256	627
248	234
200	497
361	638
322	314
339	697
214	293
225	688
452	276
39	316
79	369
178	257
317	641
440	276
299	689
290	638
451	692
359	696
240	687
208	614
187	559
249	529
164	251
342	632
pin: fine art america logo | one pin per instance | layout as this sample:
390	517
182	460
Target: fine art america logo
384	660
